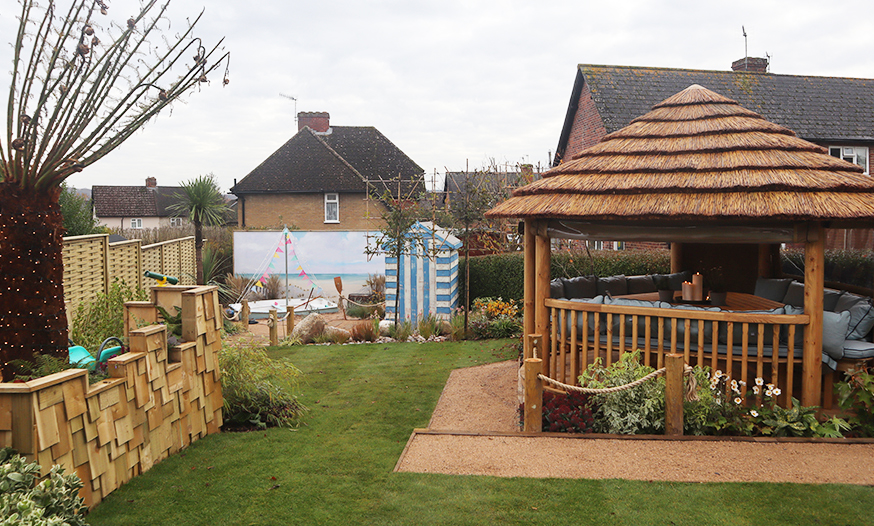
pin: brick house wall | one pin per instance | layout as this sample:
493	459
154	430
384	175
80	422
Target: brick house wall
587	129
307	212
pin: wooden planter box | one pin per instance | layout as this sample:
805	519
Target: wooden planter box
158	400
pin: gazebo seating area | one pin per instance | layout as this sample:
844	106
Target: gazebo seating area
733	345
725	188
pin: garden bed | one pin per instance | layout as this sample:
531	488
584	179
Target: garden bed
470	443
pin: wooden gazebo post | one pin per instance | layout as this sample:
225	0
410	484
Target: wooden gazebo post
542	260
814	281
528	306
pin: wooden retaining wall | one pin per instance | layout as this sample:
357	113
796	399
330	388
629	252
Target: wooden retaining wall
158	400
91	264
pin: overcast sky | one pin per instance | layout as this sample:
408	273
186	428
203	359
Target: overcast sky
453	83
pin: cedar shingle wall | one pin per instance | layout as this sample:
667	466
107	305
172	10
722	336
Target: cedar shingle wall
157	402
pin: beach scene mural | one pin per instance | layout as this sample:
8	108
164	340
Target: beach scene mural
312	260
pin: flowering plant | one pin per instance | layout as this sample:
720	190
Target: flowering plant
758	414
494	318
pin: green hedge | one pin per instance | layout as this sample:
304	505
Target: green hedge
852	267
501	275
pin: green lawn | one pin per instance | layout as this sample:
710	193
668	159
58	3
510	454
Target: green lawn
364	402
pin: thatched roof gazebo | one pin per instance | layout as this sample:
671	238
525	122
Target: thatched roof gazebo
713	178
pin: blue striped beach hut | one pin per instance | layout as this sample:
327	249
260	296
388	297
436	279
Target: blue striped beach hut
425	281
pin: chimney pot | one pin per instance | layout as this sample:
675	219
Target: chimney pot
151	182
751	64
318	121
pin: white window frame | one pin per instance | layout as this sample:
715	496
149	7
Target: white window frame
851	154
176	222
332	198
136	223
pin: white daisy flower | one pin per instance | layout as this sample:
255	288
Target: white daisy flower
737	400
760	382
757	389
734	384
718	373
754	413
777	391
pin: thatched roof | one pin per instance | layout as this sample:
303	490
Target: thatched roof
698	156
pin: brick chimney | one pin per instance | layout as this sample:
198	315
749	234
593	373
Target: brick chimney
318	121
751	64
151	182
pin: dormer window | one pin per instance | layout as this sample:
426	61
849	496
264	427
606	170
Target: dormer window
854	154
332	208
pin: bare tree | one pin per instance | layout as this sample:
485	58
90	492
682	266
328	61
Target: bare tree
80	86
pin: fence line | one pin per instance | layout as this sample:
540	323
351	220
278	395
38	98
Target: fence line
91	263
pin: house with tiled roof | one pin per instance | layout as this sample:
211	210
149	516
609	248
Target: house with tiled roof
136	207
836	113
320	179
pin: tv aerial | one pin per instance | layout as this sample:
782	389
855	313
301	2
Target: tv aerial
295	103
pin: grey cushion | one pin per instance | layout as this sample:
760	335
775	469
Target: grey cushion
581	287
676	279
847	301
830	299
640	284
799	330
861	320
772	289
603	321
693	325
858	349
556	288
629	320
834	331
794	294
614	285
752	329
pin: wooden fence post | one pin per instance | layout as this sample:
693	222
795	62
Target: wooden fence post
289	320
244	315
533	346
533	412
274	328
674	394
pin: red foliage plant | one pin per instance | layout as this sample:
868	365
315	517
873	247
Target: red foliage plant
567	413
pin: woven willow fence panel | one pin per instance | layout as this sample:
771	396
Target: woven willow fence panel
157	401
85	269
125	262
91	264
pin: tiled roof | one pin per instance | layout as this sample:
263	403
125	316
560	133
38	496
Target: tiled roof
338	161
815	108
133	201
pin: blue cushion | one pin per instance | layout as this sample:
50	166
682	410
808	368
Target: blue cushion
834	332
830	299
861	320
847	301
858	349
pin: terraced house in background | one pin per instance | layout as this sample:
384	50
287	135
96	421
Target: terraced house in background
319	179
837	113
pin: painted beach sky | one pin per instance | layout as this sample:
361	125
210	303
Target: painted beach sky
321	255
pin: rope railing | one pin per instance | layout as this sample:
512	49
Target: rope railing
687	371
534	381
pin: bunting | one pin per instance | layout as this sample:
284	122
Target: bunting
289	244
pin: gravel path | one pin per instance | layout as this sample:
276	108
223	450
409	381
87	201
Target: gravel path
468	435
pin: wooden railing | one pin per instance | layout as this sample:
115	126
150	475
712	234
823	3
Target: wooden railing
744	345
